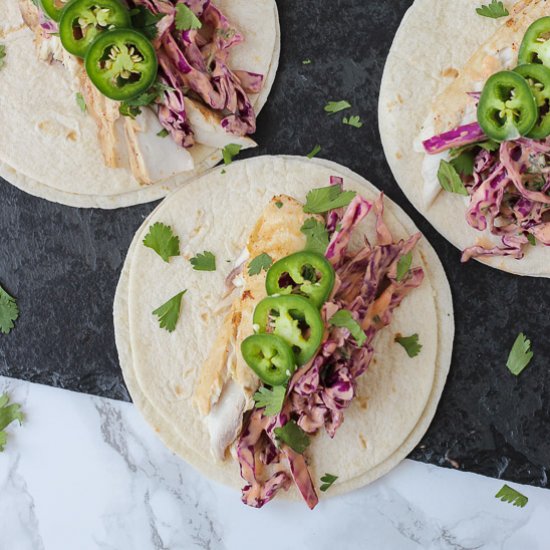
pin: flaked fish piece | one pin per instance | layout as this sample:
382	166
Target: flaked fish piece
226	385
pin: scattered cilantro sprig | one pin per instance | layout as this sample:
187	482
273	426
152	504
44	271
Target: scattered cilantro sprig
272	400
354	121
80	101
403	266
204	262
520	355
2	55
494	10
328	480
230	151
324	199
333	107
163	241
449	179
511	496
410	344
132	107
8	413
169	312
344	319
293	436
260	263
186	20
146	21
9	312
314	152
316	234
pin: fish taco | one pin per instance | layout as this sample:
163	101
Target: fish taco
465	126
109	103
284	328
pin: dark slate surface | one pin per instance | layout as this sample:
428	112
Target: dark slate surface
63	264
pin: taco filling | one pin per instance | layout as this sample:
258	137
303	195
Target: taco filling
499	157
147	70
299	335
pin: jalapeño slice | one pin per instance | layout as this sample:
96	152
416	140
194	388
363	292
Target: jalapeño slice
535	47
83	20
507	108
122	64
293	318
538	78
304	273
53	8
270	357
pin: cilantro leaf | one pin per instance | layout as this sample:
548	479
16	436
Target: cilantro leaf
163	133
272	400
131	107
293	436
204	262
169	312
259	263
306	62
328	480
163	241
186	20
316	234
403	266
449	179
520	355
464	163
354	121
146	21
314	152
344	319
2	55
9	312
279	204
490	145
230	151
507	494
81	102
328	198
494	10
8	414
410	343
336	106
532	239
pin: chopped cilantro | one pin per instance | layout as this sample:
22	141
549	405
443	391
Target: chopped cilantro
333	107
9	312
410	343
344	319
316	234
293	436
163	241
204	262
260	263
272	400
328	198
520	355
169	312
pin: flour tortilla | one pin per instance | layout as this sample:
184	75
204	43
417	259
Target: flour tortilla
49	148
432	48
398	396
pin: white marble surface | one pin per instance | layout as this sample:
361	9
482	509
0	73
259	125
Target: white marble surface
85	473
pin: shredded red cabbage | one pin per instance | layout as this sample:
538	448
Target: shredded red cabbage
463	135
322	390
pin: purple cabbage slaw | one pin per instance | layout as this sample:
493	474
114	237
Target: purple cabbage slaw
509	190
320	392
194	63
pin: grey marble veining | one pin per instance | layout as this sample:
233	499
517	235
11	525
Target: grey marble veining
86	473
